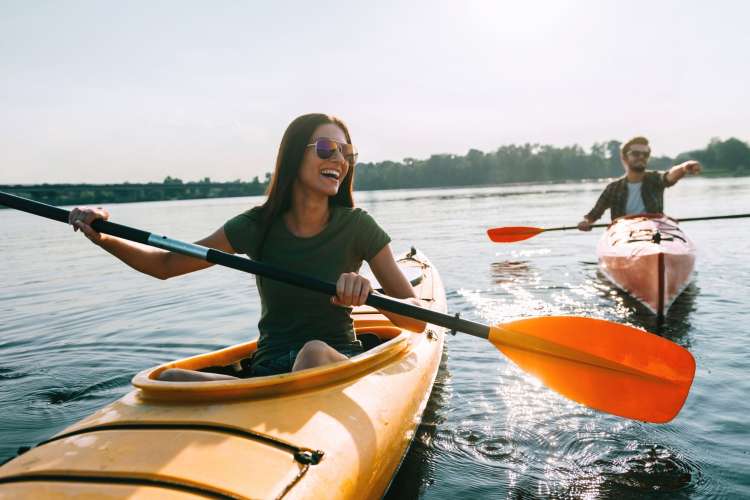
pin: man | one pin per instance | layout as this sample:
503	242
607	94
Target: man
638	191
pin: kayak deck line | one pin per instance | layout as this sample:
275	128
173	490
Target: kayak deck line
661	308
305	456
156	485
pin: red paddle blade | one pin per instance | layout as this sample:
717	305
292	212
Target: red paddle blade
607	366
513	233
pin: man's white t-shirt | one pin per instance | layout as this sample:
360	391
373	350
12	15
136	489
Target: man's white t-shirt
635	200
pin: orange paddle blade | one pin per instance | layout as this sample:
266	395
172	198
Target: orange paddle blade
611	367
512	233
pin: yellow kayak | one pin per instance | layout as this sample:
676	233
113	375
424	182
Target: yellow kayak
336	431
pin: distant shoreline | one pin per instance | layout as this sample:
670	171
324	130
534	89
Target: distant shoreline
88	194
507	165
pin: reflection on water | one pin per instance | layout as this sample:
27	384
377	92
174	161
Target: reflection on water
650	469
416	473
676	323
509	271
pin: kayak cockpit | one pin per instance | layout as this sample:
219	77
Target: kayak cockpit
392	342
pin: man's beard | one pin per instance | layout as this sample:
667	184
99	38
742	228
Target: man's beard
638	168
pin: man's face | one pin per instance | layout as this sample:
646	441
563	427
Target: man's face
637	157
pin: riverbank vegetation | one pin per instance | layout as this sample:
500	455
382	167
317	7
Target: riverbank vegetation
507	164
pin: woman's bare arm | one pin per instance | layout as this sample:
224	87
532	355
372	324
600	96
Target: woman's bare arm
161	264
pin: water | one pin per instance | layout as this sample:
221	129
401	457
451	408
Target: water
75	325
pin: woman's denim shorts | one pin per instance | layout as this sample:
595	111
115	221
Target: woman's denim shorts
284	362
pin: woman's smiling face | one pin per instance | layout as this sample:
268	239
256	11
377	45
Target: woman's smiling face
323	175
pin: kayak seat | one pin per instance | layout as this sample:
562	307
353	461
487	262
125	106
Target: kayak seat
369	340
372	336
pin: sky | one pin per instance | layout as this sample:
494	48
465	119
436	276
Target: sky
105	91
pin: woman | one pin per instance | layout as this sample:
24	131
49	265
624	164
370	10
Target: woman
308	225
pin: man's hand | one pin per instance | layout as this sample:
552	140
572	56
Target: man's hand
584	225
691	167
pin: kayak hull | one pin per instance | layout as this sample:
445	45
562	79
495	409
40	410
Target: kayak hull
649	257
337	431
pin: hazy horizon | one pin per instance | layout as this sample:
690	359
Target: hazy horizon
106	92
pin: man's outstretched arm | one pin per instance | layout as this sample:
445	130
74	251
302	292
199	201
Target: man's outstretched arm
677	172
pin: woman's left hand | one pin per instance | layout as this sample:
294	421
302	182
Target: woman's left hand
351	290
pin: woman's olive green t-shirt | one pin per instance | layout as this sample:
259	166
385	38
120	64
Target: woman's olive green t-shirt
291	316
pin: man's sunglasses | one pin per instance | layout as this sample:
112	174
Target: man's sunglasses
639	154
326	148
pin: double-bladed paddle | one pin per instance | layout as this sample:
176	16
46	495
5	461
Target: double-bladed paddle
608	366
511	234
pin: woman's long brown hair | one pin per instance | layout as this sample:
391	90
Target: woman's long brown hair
288	161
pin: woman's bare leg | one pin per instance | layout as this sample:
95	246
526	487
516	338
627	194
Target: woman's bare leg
316	353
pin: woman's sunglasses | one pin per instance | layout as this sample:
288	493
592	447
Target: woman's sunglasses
326	148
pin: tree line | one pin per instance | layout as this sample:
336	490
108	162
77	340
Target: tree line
538	163
507	164
171	188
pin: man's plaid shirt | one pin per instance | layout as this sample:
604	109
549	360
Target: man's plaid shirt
615	196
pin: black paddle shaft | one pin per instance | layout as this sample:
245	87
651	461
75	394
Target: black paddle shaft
688	219
247	265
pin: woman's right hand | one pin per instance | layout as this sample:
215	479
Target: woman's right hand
351	290
82	218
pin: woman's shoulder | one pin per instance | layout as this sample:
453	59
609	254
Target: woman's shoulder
241	230
352	214
252	215
350	211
